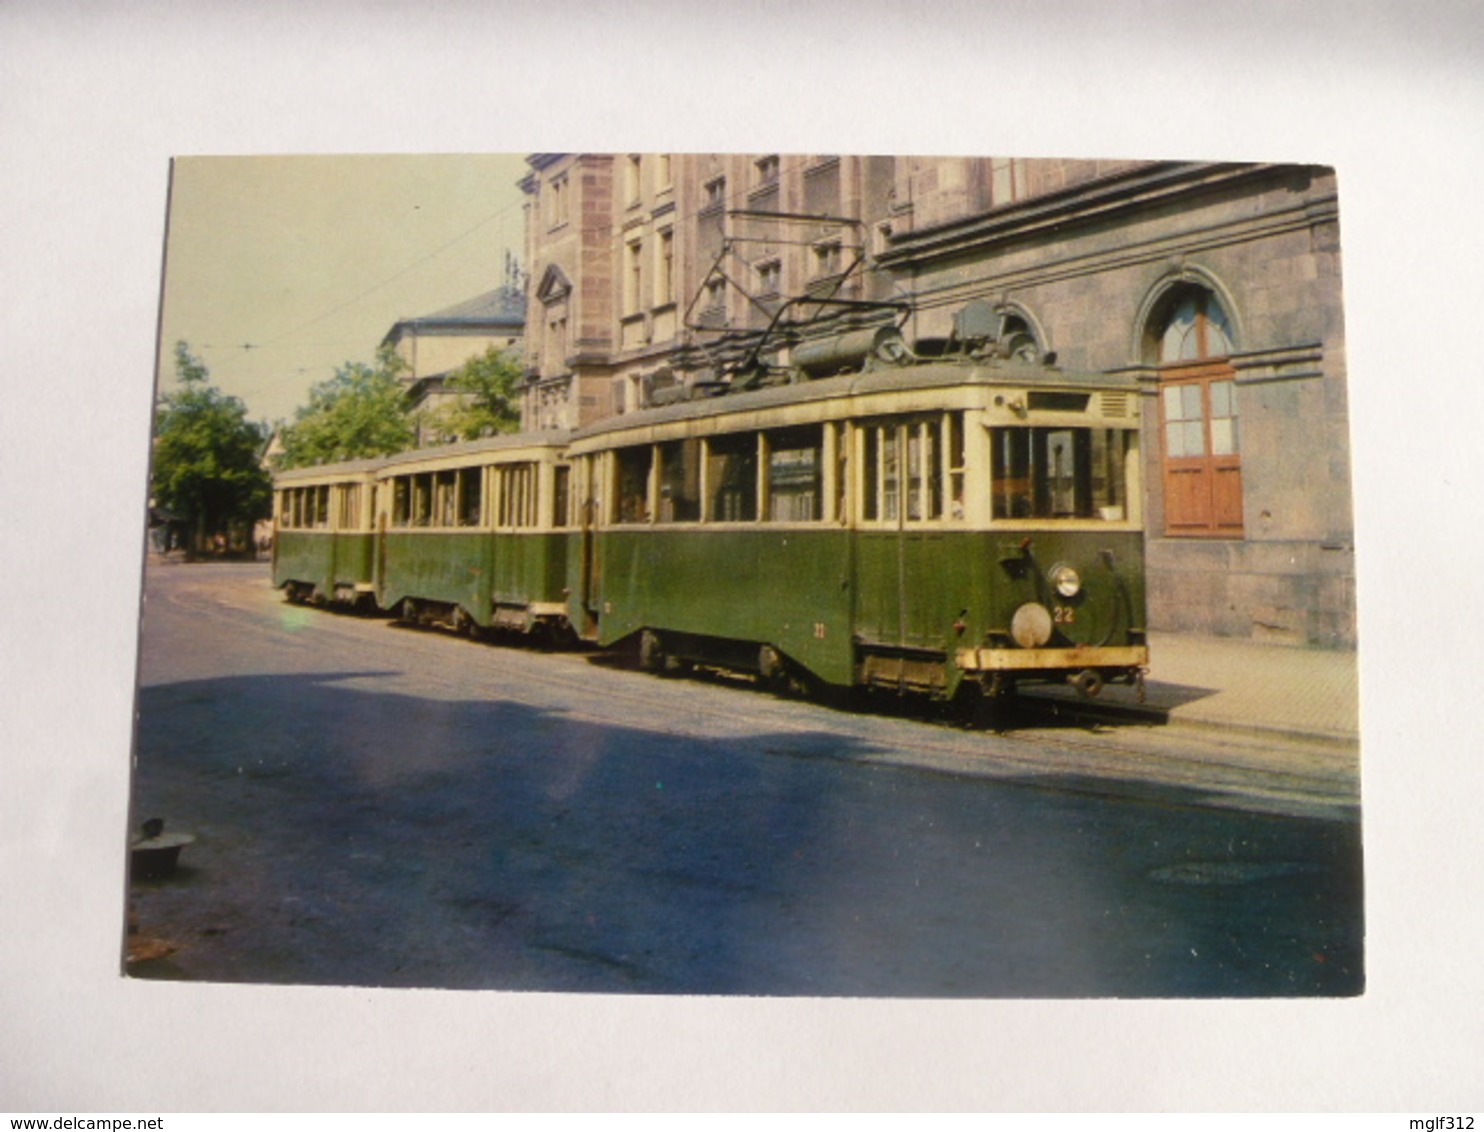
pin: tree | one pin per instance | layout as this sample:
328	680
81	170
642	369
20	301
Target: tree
358	413
489	405
206	458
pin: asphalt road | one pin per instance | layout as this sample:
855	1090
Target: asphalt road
374	805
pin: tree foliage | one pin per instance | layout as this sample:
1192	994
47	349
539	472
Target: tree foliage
357	414
206	457
489	405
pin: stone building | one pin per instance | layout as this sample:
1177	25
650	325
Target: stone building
1217	285
435	345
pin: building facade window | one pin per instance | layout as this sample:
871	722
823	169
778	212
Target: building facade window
765	171
560	205
556	342
664	283
826	259
665	171
633	276
715	194
1199	422
716	293
633	179
770	277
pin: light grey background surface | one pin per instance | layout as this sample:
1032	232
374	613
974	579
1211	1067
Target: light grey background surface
95	98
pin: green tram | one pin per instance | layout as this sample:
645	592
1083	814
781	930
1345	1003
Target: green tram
322	545
473	535
469	535
944	526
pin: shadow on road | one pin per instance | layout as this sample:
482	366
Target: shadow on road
346	835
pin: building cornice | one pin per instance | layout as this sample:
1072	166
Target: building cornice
1126	191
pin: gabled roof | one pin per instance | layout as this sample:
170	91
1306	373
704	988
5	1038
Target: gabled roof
503	309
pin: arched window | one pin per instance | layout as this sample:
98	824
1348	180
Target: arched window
1196	328
1198	416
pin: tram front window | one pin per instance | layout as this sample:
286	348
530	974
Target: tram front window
1060	473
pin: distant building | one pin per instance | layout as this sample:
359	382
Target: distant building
437	344
1217	284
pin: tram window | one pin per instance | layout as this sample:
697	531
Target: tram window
924	471
1110	449
632	498
915	464
445	499
529	486
891	474
731	473
956	465
842	472
883	472
562	492
914	469
680	481
322	506
401	501
587	496
348	513
795	470
470	496
517	495
422	499
1062	473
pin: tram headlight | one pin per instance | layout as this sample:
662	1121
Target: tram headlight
1065	580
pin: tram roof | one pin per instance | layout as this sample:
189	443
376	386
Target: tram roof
501	443
345	469
350	469
925	375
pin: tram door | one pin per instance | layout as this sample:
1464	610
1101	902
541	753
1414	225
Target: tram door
584	613
911	481
379	515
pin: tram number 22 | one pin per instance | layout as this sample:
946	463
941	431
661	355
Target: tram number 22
1063	614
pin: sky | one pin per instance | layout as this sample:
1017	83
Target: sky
279	269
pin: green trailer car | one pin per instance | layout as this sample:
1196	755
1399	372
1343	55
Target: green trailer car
474	536
322	540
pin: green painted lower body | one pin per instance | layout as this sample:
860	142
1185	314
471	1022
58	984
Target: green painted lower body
787	589
476	571
332	565
896	608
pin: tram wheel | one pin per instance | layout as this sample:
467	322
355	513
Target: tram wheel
984	708
770	666
651	652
